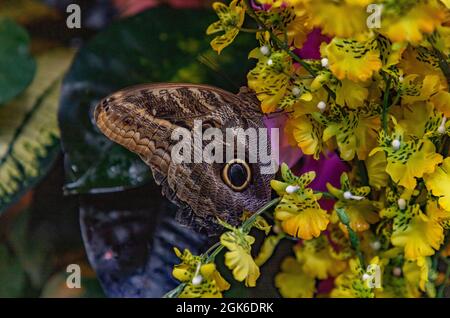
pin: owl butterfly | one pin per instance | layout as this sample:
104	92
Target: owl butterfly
143	118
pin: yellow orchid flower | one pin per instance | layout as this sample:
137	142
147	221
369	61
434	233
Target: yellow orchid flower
238	258
361	211
267	248
407	160
421	119
291	181
416	274
317	260
414	90
420	60
301	216
202	280
288	20
376	170
410	20
441	101
349	16
439	183
307	134
292	282
351	94
298	211
350	284
270	78
353	60
355	133
230	21
438	215
417	233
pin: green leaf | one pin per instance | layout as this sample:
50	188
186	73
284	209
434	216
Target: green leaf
17	67
29	135
31	251
159	45
12	277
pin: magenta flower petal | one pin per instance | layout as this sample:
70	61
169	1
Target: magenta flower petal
288	154
311	48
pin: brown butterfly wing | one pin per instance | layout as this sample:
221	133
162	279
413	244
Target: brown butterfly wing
142	119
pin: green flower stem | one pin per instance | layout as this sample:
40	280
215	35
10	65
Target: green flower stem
354	240
363	172
248	30
284	46
249	222
326	195
216	252
175	292
384	118
211	249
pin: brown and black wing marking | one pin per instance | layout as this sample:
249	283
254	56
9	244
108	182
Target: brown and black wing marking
142	119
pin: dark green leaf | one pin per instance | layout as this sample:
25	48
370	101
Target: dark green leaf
12	277
159	45
17	67
29	135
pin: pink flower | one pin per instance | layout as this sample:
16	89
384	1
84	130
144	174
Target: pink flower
328	169
311	48
288	154
131	7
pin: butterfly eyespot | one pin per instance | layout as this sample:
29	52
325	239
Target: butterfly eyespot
237	174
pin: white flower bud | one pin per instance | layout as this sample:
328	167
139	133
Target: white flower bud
291	189
296	91
376	245
270	62
401	204
276	229
264	50
324	62
366	276
197	280
321	106
401	79
397	271
442	128
396	144
347	195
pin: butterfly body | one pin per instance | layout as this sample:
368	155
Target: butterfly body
143	119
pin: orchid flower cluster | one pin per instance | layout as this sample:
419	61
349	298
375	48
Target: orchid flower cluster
379	98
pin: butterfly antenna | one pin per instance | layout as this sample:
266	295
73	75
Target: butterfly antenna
215	67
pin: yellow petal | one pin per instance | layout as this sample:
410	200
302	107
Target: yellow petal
243	266
306	225
292	282
439	184
351	94
421	161
420	238
349	59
